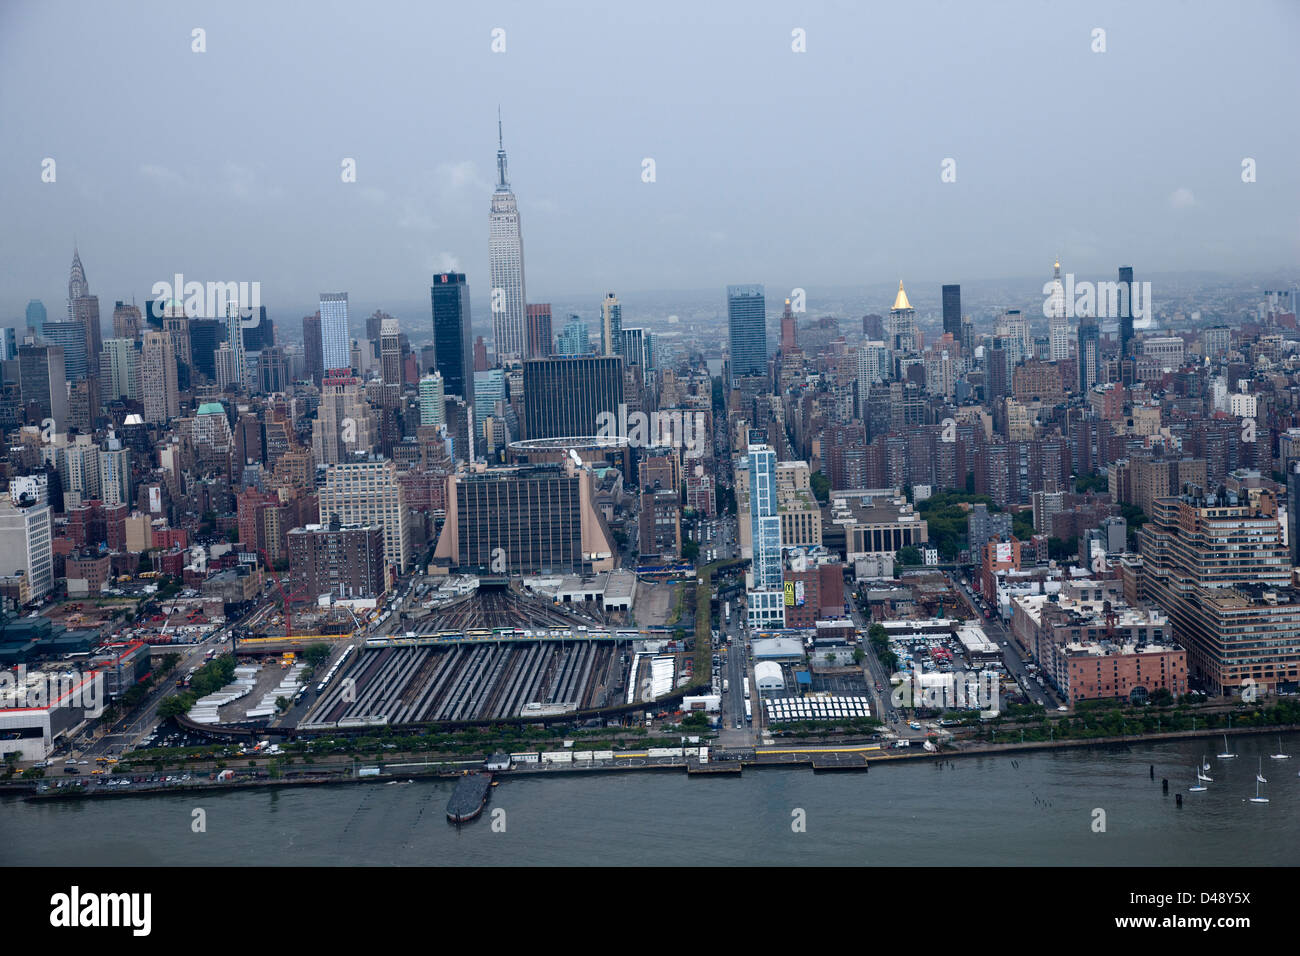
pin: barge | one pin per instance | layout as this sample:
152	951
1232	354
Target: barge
469	797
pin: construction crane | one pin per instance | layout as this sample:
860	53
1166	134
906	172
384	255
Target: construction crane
285	596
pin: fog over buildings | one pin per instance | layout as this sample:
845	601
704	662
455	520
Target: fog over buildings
817	169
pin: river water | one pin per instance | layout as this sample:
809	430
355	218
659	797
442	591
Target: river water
1037	808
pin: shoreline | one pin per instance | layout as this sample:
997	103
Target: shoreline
842	758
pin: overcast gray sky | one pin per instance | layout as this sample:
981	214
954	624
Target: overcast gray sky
823	166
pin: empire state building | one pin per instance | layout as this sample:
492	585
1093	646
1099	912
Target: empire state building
506	258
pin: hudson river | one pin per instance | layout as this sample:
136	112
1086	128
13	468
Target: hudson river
1033	808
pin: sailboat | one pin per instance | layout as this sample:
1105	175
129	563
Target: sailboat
1225	755
1203	772
1259	779
1198	787
1281	754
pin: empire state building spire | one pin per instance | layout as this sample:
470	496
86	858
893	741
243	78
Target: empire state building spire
503	181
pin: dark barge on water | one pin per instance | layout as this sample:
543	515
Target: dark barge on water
469	797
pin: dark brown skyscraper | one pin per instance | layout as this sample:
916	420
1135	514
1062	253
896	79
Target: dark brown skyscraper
538	321
480	355
311	346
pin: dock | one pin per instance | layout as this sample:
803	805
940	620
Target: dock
469	797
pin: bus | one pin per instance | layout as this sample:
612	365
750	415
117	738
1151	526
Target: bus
749	712
745	685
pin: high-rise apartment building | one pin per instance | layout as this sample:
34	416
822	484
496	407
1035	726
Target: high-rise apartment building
120	367
366	493
432	400
1089	354
158	378
611	326
1217	566
347	563
1125	311
26	544
573	339
766	598
506	265
747	331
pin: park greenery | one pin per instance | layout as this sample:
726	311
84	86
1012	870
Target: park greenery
208	679
946	520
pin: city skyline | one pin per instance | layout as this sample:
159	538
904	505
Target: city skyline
1190	211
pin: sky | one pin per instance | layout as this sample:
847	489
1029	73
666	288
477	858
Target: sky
814	168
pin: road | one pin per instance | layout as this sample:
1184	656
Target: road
1013	661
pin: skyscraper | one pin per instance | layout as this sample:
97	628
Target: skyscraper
902	323
336	352
42	381
539	331
1058	324
747	331
120	366
573	340
71	336
368	493
611	326
126	321
449	298
506	262
390	361
311	347
564	397
765	600
36	314
1125	311
432	400
1293	509
952	311
489	397
158	378
789	332
1089	353
84	308
634	347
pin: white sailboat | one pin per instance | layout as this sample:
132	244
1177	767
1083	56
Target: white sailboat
1259	779
1203	772
1198	787
1225	755
1281	754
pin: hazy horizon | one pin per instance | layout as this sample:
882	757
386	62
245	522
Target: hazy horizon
822	168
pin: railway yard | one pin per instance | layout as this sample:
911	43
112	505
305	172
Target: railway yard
473	681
